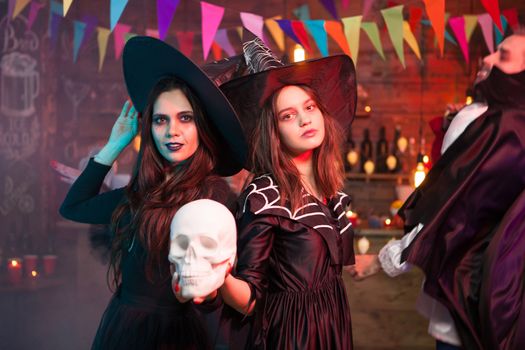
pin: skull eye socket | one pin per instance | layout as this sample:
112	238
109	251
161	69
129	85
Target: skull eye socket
208	243
182	241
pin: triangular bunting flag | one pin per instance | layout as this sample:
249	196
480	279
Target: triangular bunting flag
79	30
492	7
119	37
329	5
216	51
352	27
300	33
335	30
499	36
286	27
458	27
211	19
67	5
254	23
165	12
115	11
185	41
485	22
411	39
33	12
394	22
317	31
512	17
414	17
302	12
55	16
221	39
471	21
102	39
436	14
372	32
275	31
367	5
19	7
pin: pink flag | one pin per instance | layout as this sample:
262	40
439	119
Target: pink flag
492	7
485	23
221	39
119	35
33	12
185	40
211	19
458	27
367	5
254	23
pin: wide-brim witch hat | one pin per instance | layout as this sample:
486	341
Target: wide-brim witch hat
146	60
333	78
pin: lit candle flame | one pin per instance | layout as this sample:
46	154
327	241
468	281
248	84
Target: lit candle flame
34	273
14	263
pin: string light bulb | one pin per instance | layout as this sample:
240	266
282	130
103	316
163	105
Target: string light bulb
298	53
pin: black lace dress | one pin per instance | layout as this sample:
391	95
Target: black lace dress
293	263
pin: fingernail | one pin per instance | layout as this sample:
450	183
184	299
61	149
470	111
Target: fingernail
177	287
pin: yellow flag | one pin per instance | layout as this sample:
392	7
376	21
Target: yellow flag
352	30
275	30
471	21
102	38
67	5
410	39
19	7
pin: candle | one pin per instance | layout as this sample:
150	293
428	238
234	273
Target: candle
363	244
14	270
50	261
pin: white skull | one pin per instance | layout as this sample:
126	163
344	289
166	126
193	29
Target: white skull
203	242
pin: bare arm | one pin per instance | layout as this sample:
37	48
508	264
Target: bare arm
237	293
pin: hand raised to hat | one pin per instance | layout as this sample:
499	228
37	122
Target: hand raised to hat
122	133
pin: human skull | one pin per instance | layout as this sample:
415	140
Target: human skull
203	242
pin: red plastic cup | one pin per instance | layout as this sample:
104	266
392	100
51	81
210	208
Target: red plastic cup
50	263
30	263
14	270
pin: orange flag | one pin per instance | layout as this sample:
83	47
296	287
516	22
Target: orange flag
436	15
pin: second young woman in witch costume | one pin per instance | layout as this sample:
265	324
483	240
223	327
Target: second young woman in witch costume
294	237
189	134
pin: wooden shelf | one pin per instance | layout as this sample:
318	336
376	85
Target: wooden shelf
378	232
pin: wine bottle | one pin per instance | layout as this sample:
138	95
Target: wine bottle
381	152
393	160
366	153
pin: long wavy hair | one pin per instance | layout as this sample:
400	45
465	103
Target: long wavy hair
158	188
269	154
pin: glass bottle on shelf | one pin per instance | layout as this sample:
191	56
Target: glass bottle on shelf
381	152
351	156
393	161
366	154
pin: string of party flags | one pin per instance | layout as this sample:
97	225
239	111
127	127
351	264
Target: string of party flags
302	30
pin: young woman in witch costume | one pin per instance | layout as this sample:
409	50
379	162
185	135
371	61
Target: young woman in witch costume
190	134
294	237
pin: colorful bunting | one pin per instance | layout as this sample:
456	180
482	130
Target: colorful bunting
221	39
55	16
471	21
66	6
302	12
185	40
33	12
211	19
499	36
239	31
254	23
409	37
492	8
119	36
436	14
165	12
79	30
394	22
216	51
300	33
485	22
102	39
275	31
115	11
286	27
329	5
512	17
458	27
372	31
18	7
317	31
367	5
352	27
335	30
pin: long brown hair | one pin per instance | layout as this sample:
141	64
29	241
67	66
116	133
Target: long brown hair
268	154
152	198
